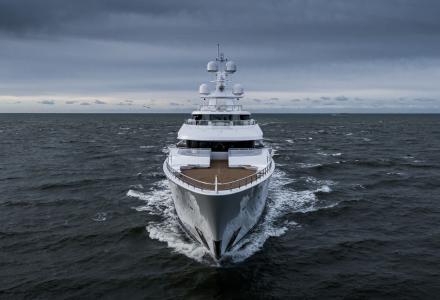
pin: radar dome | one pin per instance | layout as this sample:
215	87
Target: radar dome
237	90
212	66
204	89
231	67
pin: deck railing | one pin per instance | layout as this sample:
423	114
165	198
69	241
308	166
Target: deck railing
220	107
220	122
216	186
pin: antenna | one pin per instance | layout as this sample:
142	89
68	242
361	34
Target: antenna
220	56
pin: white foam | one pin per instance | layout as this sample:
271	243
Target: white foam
309	165
330	154
100	217
158	202
324	189
282	201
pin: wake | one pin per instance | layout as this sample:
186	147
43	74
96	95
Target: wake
281	202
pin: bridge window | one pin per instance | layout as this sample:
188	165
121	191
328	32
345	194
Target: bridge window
219	146
219	117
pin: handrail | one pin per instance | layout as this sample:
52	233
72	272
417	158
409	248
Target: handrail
238	183
220	122
225	107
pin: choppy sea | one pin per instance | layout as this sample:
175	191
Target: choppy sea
353	211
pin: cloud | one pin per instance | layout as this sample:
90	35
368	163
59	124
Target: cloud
85	103
100	102
125	103
47	102
151	20
175	104
71	102
341	98
424	99
93	49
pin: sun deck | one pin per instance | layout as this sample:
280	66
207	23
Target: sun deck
227	178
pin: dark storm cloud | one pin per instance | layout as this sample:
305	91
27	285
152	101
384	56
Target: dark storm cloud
111	46
85	103
100	102
279	21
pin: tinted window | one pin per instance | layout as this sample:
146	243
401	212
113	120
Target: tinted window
220	146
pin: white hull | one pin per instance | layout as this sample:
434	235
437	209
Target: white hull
218	220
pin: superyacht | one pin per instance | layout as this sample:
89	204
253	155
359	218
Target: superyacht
219	171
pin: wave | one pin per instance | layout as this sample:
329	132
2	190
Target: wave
74	183
330	154
281	203
158	202
309	165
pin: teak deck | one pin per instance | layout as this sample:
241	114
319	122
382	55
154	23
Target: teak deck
224	174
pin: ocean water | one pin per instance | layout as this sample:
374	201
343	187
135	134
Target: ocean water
353	211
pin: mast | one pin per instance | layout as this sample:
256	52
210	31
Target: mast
223	95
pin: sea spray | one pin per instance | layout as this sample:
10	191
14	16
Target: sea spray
282	200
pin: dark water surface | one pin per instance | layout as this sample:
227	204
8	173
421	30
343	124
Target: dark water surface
353	211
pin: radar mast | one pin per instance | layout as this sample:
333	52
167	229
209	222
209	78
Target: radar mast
223	94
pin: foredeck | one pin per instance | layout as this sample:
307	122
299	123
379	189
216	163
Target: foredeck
227	178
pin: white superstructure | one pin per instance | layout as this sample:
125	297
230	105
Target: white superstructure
219	170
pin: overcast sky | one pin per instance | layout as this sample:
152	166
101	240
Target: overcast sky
150	56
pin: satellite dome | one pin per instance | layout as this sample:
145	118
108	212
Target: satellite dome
212	66
231	67
204	89
237	90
